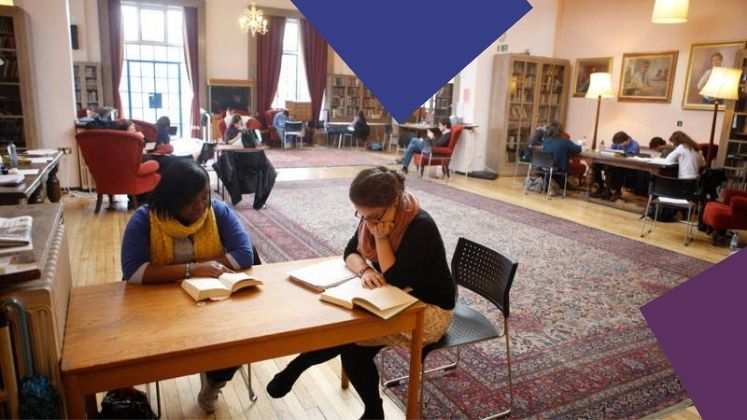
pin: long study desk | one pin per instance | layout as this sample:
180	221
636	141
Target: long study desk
45	175
119	334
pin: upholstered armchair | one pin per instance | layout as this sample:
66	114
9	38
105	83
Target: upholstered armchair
440	155
731	214
269	116
149	130
113	157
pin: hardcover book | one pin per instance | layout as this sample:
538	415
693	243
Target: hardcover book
201	288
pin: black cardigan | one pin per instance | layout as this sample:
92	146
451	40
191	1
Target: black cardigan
420	263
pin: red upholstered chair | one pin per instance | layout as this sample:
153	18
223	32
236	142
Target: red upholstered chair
440	155
149	130
113	157
731	214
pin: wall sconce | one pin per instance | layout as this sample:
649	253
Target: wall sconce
600	86
723	83
670	11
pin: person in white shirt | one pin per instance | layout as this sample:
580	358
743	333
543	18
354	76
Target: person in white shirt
229	116
686	154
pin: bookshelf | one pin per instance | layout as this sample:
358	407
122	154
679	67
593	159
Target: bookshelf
346	95
88	88
439	106
732	152
16	93
527	92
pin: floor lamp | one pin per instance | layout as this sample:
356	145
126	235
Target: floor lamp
722	84
600	86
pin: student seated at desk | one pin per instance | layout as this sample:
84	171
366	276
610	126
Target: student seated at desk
418	145
659	145
562	149
615	177
404	245
686	154
182	233
360	127
163	139
233	132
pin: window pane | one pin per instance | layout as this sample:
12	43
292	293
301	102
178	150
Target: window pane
134	69
173	86
161	70
162	85
147	70
302	84
132	51
159	53
290	38
175	54
153	25
174	27
148	86
129	23
173	72
146	52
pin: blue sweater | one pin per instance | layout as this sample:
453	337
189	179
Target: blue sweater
136	241
631	147
561	150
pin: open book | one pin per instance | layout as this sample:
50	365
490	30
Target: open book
201	288
323	275
15	232
384	302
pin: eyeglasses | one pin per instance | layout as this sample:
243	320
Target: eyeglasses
374	219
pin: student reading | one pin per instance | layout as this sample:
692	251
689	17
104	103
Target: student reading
406	250
182	233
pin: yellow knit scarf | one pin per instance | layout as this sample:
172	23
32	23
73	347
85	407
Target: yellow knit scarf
207	244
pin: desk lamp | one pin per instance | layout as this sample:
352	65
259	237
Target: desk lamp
723	83
600	86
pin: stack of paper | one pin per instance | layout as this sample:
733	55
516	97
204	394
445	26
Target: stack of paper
13	179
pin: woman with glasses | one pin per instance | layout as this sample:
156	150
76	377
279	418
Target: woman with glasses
397	243
182	233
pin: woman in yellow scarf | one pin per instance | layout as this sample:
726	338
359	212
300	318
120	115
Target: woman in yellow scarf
182	233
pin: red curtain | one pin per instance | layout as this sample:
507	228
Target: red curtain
315	59
115	48
269	58
193	70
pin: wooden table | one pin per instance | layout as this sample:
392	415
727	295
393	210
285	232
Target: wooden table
47	173
119	334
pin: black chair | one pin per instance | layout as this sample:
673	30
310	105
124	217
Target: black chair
543	161
206	153
293	129
490	274
674	193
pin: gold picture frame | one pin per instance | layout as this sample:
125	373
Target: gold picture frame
583	70
703	56
647	77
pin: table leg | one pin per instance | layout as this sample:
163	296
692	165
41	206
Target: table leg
590	177
416	351
73	399
53	185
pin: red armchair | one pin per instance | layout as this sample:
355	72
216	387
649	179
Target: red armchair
113	157
731	214
149	130
440	155
269	116
251	123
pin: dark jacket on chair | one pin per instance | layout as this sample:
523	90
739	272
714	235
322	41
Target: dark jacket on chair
246	173
561	150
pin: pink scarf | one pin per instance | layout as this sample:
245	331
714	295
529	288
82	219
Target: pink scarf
407	209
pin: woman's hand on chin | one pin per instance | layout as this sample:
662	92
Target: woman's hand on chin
209	269
380	230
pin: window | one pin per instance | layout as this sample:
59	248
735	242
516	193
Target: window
292	85
154	73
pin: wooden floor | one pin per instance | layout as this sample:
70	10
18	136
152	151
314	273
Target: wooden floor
95	239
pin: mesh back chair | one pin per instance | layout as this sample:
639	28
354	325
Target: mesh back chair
246	374
490	274
293	129
543	161
206	153
523	157
675	193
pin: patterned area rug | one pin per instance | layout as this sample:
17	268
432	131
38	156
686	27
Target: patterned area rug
580	347
316	157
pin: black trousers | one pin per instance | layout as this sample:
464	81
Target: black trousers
219	376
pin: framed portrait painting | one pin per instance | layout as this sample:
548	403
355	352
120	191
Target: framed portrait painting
647	77
584	68
702	58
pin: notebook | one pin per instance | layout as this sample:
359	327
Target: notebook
323	275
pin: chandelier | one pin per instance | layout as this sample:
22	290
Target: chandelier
253	21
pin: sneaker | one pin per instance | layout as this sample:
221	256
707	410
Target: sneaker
404	169
207	399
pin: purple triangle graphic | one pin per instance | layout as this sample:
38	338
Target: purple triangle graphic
404	51
701	327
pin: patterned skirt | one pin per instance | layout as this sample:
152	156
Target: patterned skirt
436	321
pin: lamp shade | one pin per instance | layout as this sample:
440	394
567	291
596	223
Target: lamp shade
600	84
723	83
670	11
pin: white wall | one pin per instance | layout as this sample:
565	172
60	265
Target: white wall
85	14
593	28
534	32
53	80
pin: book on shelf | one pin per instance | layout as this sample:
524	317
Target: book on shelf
201	288
384	302
15	231
323	275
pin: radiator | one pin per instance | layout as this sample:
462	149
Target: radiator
46	301
86	179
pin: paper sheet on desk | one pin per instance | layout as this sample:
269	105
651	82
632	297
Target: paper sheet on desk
40	152
39	159
640	159
25	172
